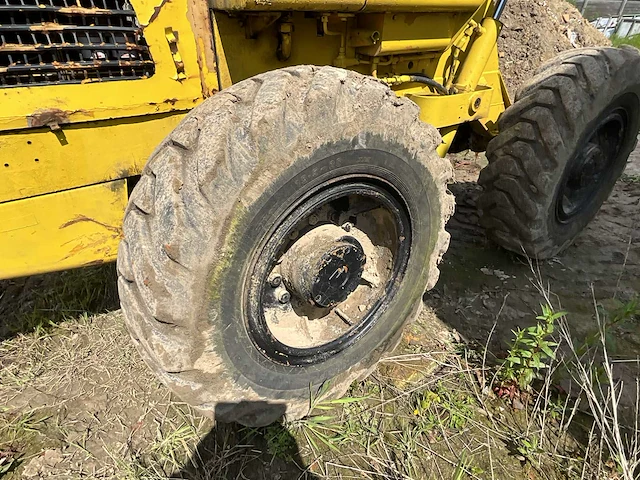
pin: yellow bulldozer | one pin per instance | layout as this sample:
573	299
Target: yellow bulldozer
271	174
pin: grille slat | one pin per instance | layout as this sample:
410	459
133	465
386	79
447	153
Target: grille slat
67	46
46	28
65	10
46	42
77	66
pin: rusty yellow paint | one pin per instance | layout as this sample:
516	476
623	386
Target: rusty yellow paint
240	57
38	160
66	150
500	99
448	110
349	5
61	230
161	93
428	43
478	55
448	134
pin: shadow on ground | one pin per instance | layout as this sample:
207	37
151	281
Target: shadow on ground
481	284
233	451
42	301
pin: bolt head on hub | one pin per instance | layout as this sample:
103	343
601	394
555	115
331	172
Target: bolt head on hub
284	297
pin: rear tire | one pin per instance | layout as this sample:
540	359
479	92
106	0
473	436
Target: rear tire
561	148
194	264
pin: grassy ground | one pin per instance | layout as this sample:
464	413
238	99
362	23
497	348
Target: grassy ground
78	403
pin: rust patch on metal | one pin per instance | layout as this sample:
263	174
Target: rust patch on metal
93	263
168	101
84	11
199	16
21	47
48	117
49	27
125	172
84	218
97	244
156	12
17	47
51	117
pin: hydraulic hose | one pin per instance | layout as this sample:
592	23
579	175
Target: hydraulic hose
417	78
500	4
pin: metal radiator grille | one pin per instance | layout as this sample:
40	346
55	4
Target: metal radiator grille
45	42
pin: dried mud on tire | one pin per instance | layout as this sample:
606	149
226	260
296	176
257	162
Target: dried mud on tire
210	195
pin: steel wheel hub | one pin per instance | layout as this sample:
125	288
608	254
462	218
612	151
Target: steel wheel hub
328	271
591	165
324	266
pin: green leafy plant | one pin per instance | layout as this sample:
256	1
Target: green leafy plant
280	442
622	316
323	430
464	468
445	407
528	447
531	351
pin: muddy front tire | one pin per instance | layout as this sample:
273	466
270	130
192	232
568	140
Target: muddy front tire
561	148
280	238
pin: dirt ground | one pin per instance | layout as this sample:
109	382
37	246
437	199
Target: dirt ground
537	30
77	390
481	284
633	167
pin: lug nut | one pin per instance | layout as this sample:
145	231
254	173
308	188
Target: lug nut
275	281
313	219
284	297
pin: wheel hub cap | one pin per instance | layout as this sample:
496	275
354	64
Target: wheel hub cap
324	266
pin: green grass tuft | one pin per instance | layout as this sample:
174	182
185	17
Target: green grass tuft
633	40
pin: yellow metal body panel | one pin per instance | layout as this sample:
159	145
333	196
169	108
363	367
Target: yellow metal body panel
67	150
446	111
61	230
163	92
409	42
478	56
38	161
349	5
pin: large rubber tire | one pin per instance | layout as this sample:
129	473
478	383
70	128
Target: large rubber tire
538	144
215	186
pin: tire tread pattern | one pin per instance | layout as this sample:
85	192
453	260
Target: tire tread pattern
536	135
190	187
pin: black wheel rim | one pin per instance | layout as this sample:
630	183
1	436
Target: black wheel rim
330	204
591	168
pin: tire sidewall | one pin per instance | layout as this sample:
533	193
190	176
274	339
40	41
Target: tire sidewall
564	233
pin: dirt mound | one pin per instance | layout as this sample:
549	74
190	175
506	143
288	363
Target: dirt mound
535	31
